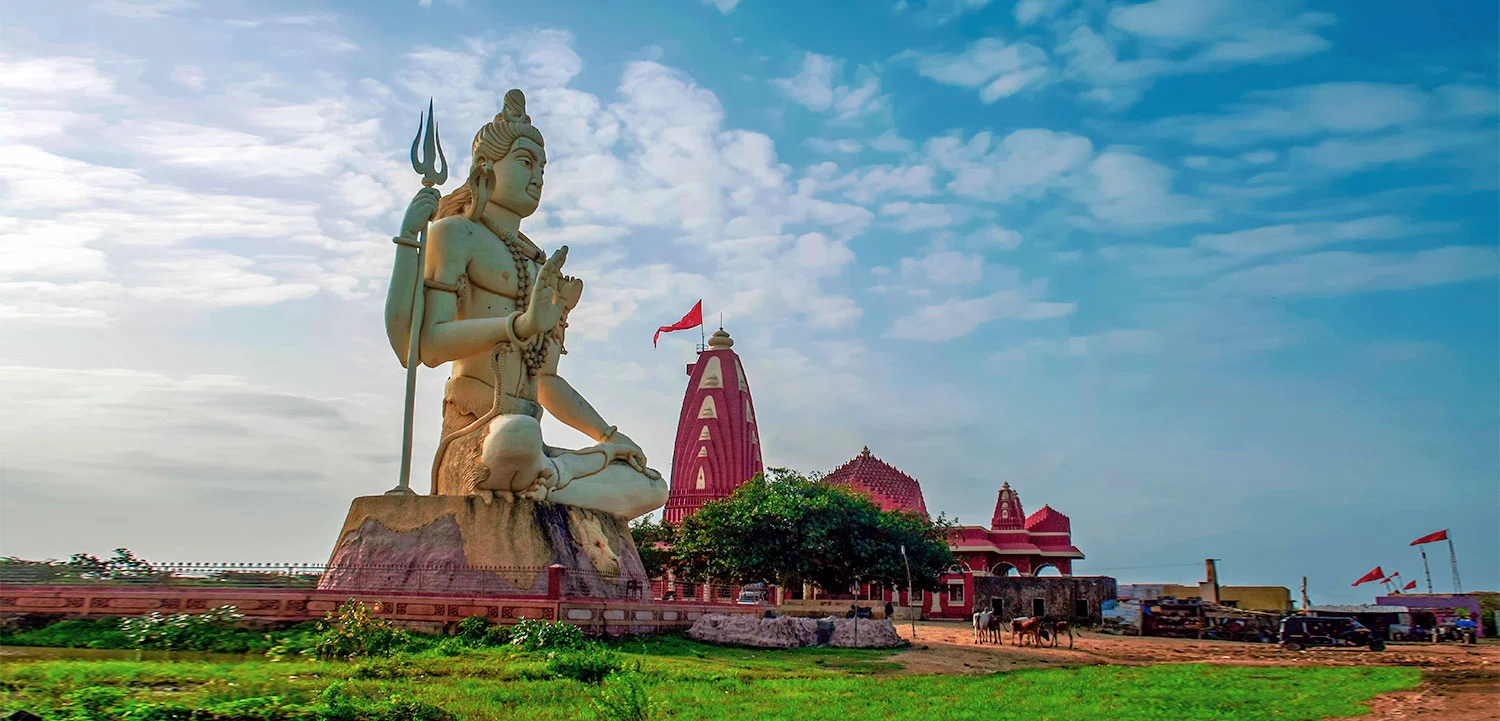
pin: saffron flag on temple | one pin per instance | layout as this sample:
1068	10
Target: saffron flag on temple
1432	538
1374	575
1409	586
693	319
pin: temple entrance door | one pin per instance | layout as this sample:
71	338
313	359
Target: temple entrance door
1038	607
997	606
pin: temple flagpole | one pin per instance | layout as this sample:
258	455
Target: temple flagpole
1426	570
1458	586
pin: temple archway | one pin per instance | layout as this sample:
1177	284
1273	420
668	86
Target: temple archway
1046	570
1004	570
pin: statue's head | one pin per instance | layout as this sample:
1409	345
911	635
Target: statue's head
509	159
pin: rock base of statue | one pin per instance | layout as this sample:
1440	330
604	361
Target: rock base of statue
464	544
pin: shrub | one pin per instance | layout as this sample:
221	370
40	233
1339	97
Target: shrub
95	703
211	631
74	633
534	635
352	633
590	664
624	698
473	629
337	704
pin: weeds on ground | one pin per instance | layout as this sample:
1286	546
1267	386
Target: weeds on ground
351	632
589	664
624	698
537	635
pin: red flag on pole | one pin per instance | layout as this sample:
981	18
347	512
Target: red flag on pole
693	319
1432	538
1409	586
1374	575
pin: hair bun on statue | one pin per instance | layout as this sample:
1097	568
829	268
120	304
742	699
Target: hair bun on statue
514	109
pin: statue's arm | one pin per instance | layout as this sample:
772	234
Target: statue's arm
398	300
445	338
563	401
405	274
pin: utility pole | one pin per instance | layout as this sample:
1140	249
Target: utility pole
1305	608
910	594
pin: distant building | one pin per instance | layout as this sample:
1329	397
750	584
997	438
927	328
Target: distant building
1274	599
718	445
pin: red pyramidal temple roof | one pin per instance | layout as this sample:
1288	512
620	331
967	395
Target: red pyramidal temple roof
883	483
1048	520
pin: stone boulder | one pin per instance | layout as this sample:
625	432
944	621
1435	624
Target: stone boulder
793	632
463	544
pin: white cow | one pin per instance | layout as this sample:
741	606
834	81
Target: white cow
982	624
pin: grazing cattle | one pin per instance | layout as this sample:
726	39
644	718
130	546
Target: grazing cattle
995	627
1023	628
1057	629
982	621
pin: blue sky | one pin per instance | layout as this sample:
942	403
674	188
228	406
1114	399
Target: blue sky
1216	279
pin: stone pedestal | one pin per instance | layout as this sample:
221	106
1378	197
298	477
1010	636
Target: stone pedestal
461	544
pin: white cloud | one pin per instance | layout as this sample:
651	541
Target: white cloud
189	77
1025	163
1225	31
1349	107
141	9
942	269
912	217
997	68
1127	190
723	6
958	317
1338	273
1028	12
819	87
841	146
994	237
1303	236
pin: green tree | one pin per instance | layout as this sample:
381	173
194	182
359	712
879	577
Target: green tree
648	535
785	528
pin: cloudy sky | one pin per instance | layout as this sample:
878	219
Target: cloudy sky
1216	279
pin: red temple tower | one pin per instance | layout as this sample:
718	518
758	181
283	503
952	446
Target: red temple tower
717	445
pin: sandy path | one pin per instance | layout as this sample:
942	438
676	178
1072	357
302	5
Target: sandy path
1462	683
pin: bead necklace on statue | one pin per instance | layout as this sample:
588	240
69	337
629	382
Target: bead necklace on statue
533	354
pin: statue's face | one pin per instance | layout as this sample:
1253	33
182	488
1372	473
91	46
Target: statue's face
518	178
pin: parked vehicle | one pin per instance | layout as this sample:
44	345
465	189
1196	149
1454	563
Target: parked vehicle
1299	632
753	593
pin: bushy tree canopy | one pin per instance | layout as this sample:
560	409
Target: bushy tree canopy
785	528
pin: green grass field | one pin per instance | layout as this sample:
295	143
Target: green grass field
687	680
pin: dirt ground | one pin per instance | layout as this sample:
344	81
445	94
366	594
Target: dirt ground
1461	683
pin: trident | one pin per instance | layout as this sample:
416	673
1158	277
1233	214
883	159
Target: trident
426	166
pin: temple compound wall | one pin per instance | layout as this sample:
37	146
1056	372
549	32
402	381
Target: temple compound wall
1072	598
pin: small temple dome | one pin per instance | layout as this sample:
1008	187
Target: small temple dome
720	340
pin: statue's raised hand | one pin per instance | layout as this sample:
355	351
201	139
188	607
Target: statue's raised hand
422	207
548	299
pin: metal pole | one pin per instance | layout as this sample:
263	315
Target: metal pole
910	594
1426	570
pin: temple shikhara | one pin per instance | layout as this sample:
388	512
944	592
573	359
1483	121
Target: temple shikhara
718	446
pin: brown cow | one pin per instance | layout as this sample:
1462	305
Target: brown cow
1021	628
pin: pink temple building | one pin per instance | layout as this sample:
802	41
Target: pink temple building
1016	543
718	446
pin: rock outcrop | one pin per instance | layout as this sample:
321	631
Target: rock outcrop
461	544
793	632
